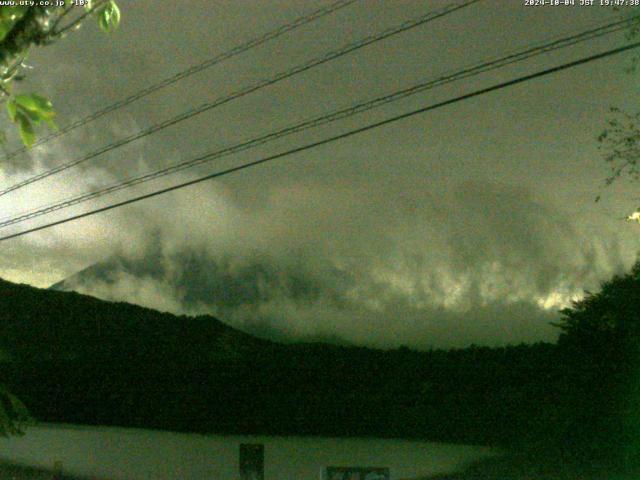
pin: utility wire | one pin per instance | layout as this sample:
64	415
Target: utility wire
255	42
334	138
476	69
407	25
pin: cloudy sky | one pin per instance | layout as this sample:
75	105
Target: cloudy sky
473	223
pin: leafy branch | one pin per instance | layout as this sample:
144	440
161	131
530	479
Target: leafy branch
22	28
619	142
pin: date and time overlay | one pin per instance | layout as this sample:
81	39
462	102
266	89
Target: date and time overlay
582	3
527	3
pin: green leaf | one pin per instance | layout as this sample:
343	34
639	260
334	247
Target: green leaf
103	20
12	109
30	114
8	18
27	111
109	17
5	27
37	104
27	134
115	14
12	13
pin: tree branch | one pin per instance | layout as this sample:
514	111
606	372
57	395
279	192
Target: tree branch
79	19
60	17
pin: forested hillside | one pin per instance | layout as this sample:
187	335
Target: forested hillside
73	358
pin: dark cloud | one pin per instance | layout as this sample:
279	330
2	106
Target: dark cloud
477	263
472	224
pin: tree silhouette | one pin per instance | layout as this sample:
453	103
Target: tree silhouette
601	344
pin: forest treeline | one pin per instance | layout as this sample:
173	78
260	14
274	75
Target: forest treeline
74	358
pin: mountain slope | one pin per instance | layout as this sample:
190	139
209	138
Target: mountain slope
46	324
259	296
77	359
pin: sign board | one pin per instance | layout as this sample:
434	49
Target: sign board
251	461
356	473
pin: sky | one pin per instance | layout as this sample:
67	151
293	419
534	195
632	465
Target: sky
473	223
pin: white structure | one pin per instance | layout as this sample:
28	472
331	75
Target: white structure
120	453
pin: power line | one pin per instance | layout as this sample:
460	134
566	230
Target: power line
332	139
407	25
248	45
540	48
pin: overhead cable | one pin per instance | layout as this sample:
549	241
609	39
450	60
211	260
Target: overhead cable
237	50
331	139
476	69
351	47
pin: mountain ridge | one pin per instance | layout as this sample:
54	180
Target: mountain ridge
81	325
74	358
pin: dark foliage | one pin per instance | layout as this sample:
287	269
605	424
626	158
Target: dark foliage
600	344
